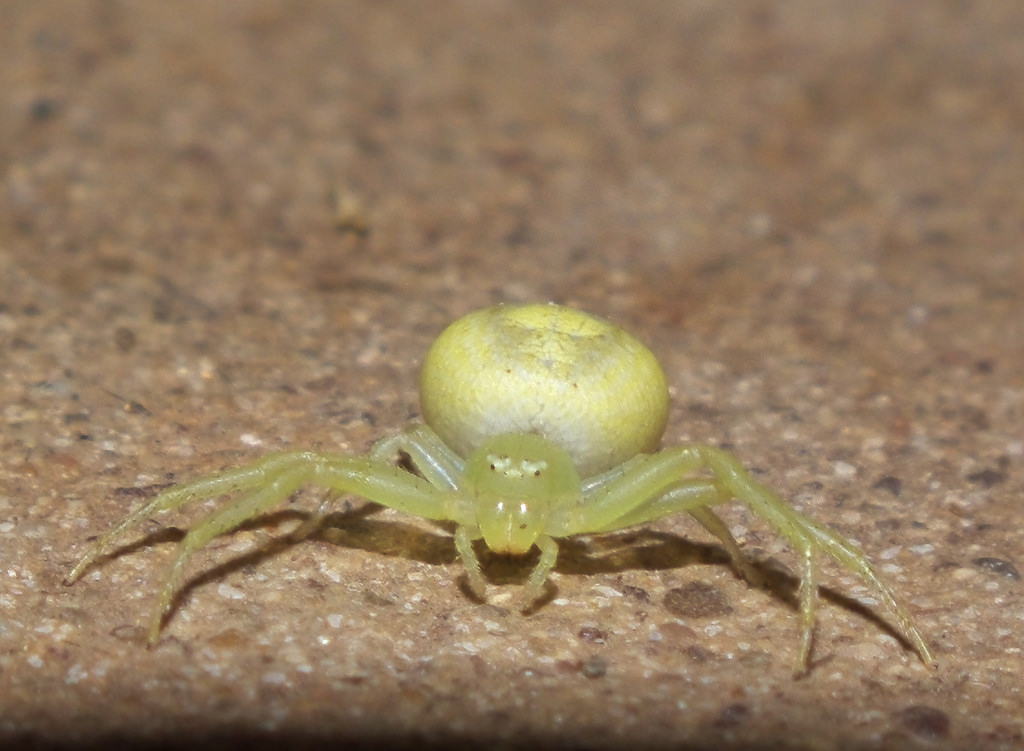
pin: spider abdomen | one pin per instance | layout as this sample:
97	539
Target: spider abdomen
575	379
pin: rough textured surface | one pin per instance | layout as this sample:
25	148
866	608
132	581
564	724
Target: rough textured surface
232	227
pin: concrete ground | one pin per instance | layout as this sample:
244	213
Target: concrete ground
231	228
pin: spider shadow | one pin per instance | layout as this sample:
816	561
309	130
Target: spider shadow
640	549
359	528
353	528
653	550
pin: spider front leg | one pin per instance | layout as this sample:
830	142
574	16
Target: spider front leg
223	483
261	485
641	490
808	537
219	522
650	486
695	497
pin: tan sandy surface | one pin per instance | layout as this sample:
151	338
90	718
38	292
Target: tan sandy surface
233	227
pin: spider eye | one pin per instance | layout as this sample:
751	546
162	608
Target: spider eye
515	468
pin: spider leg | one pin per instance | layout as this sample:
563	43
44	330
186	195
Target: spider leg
316	518
438	464
380	483
695	497
686	495
464	536
641	489
217	523
650	486
807	536
534	586
713	523
222	483
392	487
263	484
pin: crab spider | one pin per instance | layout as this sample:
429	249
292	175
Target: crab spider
542	422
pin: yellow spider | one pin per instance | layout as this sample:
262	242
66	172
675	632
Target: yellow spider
542	423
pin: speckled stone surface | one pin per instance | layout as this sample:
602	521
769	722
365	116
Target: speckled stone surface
229	228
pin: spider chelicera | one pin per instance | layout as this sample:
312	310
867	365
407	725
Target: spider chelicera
542	422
